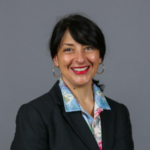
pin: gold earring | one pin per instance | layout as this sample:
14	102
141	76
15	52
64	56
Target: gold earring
102	70
54	72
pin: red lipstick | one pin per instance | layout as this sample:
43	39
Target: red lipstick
81	72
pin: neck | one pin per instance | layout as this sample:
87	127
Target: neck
84	95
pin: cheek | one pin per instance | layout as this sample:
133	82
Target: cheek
64	60
94	58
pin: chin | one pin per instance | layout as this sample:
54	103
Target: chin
78	81
81	82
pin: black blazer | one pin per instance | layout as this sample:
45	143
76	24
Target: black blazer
43	124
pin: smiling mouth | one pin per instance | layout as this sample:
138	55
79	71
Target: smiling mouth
81	70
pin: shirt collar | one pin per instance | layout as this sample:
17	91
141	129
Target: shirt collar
71	104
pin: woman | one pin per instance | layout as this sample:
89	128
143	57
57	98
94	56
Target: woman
74	114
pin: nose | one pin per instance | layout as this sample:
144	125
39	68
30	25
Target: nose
80	57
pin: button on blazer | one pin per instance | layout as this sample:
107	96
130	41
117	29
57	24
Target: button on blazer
43	124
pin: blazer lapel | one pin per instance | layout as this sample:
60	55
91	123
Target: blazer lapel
75	120
81	128
108	123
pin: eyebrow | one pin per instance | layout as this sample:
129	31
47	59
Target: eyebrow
68	44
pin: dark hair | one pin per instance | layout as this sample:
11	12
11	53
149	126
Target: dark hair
83	30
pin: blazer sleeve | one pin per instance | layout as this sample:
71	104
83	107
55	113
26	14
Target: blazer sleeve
30	132
124	140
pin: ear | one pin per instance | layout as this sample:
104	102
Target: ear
55	59
100	60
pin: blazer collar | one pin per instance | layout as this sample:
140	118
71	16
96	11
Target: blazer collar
55	93
79	125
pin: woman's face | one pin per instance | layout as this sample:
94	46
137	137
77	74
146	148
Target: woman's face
78	63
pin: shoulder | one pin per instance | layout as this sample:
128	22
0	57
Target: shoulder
119	108
33	107
41	101
123	127
114	104
121	114
31	127
38	102
44	105
40	106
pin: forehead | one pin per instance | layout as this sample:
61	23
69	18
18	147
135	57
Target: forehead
67	38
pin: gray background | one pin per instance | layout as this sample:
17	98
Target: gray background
26	66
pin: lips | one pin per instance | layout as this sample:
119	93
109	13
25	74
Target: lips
80	70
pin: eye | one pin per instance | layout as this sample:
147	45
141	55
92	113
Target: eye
89	48
67	49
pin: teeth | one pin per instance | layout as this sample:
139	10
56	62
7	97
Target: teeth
80	69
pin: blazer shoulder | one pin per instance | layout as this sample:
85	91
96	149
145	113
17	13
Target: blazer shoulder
47	102
116	106
112	102
31	130
42	103
123	133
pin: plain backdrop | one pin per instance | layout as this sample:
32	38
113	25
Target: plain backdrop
26	65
